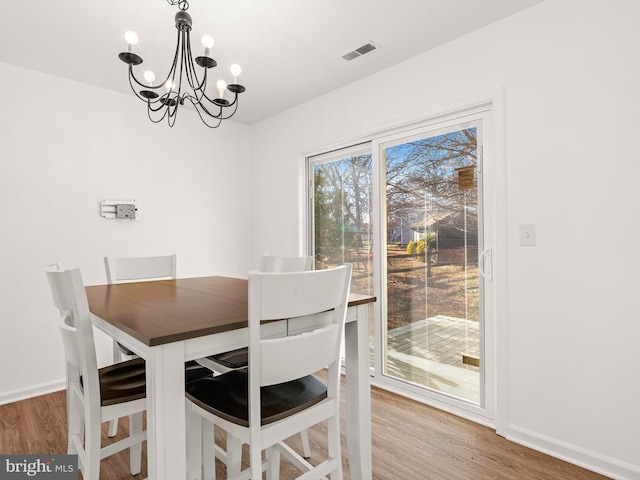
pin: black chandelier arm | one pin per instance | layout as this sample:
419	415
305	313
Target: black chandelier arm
172	71
197	101
149	110
222	107
164	103
152	98
169	113
201	97
186	62
212	100
198	107
204	119
204	96
133	78
192	73
170	76
235	102
231	104
173	115
168	101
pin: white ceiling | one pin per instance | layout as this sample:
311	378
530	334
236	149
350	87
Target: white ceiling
290	50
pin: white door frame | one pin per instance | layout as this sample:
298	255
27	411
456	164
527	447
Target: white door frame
492	103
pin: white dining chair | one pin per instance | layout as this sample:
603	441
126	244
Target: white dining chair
225	362
131	269
277	395
273	263
95	395
235	359
127	269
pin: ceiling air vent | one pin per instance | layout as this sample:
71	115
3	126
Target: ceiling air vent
360	51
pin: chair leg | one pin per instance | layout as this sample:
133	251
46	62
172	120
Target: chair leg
306	449
234	456
273	467
255	459
333	432
92	449
208	450
135	451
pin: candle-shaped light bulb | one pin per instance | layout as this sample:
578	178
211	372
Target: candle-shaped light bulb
236	70
131	38
221	86
149	76
168	85
207	43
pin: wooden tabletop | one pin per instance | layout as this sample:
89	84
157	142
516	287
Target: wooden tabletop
165	311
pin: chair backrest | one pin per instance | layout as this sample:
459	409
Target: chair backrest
125	269
275	296
271	263
69	296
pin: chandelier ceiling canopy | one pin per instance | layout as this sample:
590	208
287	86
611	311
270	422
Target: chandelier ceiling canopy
183	83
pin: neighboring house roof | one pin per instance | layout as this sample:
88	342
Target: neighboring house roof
444	220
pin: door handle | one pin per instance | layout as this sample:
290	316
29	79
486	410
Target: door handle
485	264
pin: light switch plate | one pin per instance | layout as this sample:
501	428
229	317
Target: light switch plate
528	234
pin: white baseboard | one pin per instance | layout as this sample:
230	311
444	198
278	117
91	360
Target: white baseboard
33	391
582	457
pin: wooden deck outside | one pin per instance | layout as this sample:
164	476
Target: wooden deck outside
429	353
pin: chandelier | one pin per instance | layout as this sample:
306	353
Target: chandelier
164	99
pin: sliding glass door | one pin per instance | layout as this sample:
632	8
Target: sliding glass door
406	209
431	333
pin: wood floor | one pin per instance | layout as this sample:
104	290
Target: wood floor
410	441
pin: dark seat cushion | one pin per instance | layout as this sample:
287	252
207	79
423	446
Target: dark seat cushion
226	396
125	381
234	359
194	371
122	382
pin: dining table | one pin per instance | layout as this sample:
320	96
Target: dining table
170	322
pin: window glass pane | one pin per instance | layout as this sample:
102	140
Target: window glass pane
342	217
432	283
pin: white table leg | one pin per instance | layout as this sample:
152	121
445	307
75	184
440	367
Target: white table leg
166	423
358	394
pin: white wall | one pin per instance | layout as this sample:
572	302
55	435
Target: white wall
571	77
65	147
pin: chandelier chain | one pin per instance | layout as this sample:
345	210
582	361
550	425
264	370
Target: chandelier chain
182	4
